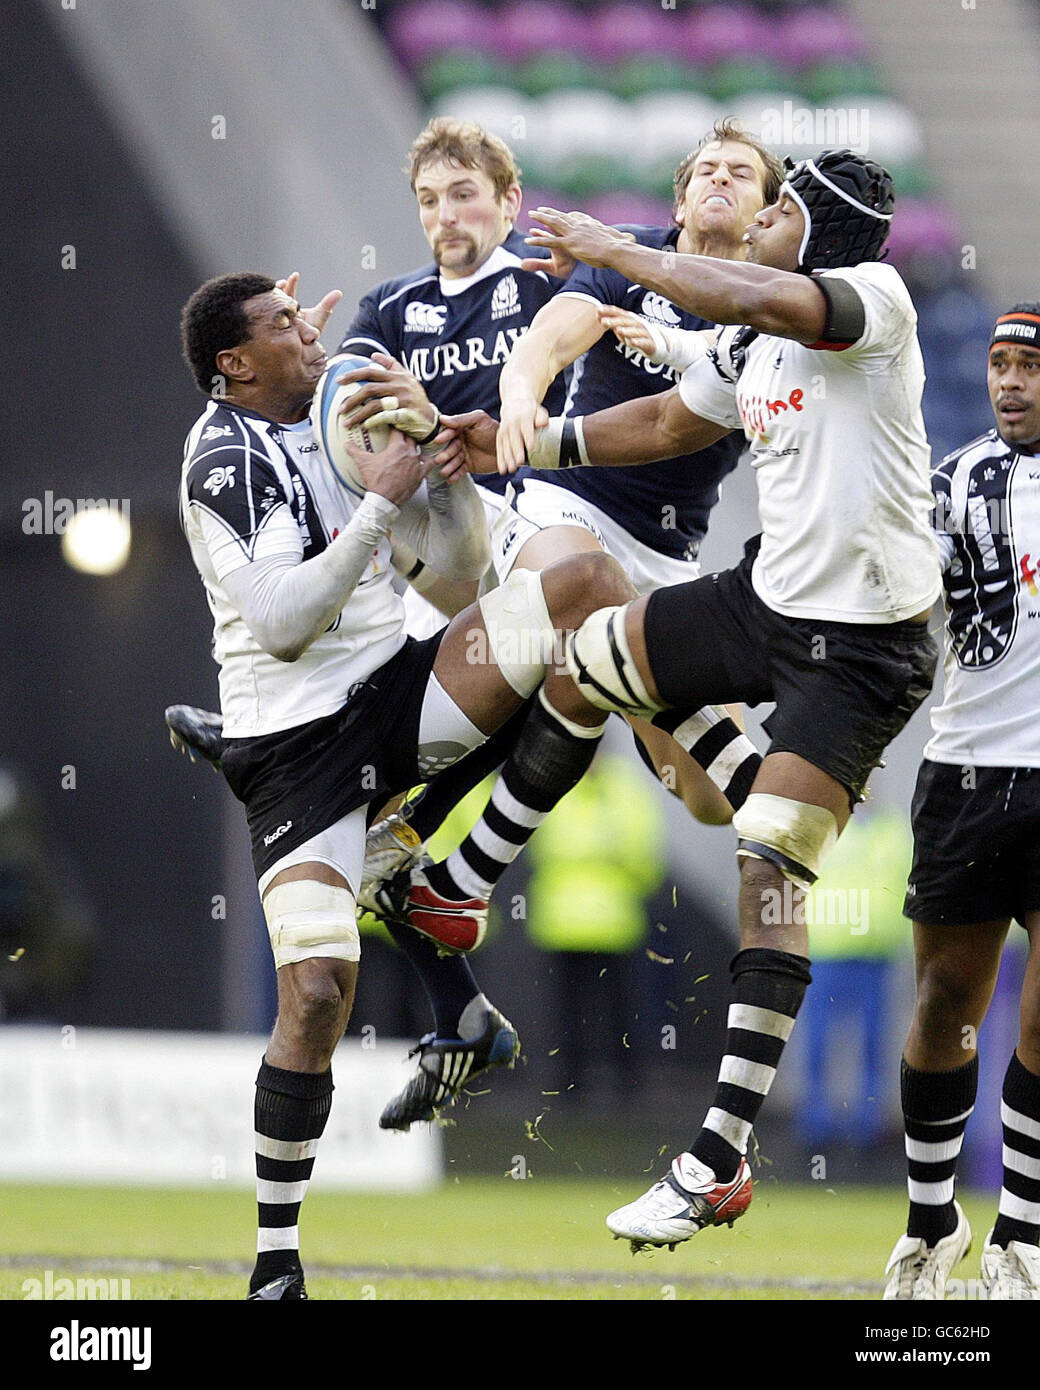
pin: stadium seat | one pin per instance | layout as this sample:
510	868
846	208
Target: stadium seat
665	126
720	32
639	209
895	137
651	73
528	27
729	79
548	72
502	110
419	30
816	34
580	139
452	68
824	82
922	227
628	29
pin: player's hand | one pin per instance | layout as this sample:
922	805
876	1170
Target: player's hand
395	472
448	451
561	263
521	419
630	329
477	432
389	395
318	314
577	235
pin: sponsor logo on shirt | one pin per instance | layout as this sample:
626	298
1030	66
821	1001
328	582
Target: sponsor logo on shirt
1028	575
506	299
656	307
216	432
218	479
424	318
757	411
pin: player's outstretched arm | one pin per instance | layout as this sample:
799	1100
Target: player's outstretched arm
560	332
639	431
777	302
646	430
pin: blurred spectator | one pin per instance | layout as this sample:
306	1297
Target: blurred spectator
45	932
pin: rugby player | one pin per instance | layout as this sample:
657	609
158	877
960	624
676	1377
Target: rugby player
327	704
438	337
827	614
976	821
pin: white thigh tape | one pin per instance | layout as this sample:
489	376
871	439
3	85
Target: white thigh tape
793	835
520	631
600	664
306	918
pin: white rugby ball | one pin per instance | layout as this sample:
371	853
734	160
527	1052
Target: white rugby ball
330	396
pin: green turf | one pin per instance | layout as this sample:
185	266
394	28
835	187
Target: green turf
474	1238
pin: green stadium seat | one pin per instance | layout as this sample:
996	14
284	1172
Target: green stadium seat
728	79
460	67
638	76
550	72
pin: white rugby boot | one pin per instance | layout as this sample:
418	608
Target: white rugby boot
919	1272
1013	1273
685	1201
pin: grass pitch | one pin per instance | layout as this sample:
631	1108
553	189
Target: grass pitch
473	1239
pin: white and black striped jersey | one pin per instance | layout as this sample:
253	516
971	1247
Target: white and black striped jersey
987	524
242	473
455	335
841	459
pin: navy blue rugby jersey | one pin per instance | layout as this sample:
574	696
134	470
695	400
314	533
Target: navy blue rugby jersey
665	505
455	335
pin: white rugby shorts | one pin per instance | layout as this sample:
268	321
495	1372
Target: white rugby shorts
538	506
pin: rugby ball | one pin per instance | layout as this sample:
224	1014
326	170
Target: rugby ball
330	397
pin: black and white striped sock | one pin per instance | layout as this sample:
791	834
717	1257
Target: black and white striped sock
290	1114
550	758
768	988
936	1106
1019	1210
712	738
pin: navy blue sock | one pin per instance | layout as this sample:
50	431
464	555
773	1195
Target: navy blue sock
448	981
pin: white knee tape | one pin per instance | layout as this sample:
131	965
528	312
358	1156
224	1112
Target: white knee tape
600	664
793	835
306	918
520	631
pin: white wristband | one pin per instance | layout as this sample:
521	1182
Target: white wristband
560	444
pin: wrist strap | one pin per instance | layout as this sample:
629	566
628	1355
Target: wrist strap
559	444
434	431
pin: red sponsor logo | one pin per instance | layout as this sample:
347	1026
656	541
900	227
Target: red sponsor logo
758	411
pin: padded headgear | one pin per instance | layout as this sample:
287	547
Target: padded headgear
847	203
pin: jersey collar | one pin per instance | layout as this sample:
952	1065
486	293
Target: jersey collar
499	260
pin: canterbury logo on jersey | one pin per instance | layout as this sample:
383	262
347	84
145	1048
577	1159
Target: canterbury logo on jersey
218	479
424	318
656	307
506	298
